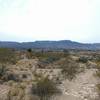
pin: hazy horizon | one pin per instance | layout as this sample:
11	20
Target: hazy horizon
50	40
31	20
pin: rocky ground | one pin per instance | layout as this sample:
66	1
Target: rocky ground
4	89
83	87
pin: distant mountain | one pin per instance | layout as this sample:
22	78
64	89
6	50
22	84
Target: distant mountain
63	44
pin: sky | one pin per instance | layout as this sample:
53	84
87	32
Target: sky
30	20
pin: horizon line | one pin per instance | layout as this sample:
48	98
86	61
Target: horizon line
48	41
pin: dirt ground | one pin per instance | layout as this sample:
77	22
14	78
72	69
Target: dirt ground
82	88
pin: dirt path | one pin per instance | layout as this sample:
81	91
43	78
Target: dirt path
82	88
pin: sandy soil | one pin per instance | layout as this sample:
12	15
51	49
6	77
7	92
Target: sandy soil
82	88
3	91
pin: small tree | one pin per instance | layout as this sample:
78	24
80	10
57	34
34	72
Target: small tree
29	53
29	50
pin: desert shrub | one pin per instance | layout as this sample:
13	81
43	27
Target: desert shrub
98	85
98	69
29	50
49	60
98	91
16	93
7	56
24	76
45	61
12	76
69	69
29	53
6	75
98	75
45	89
45	54
3	70
66	52
96	57
83	59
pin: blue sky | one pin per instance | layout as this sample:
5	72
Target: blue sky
30	20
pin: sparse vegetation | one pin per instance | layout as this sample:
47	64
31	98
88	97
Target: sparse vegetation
70	69
11	76
2	70
44	62
83	60
46	54
98	75
29	50
29	53
45	88
41	75
7	56
16	93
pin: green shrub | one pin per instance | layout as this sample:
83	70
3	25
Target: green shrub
66	52
69	69
29	53
48	59
2	70
83	59
45	89
11	76
6	76
45	61
29	50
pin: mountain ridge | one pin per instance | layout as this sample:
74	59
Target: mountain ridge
62	44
